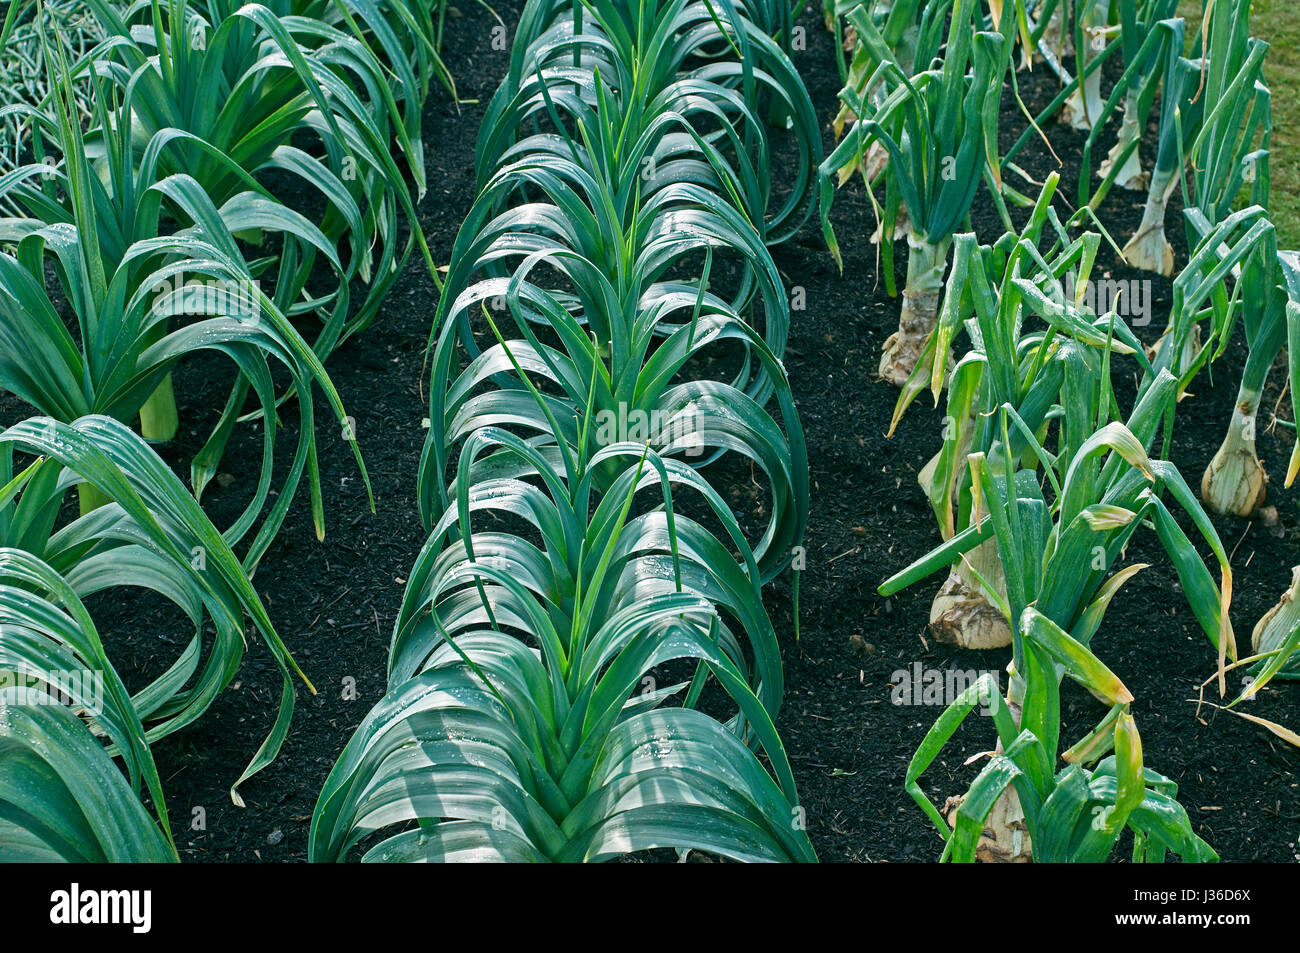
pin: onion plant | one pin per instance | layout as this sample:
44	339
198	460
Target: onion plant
1058	544
1021	806
1181	110
1149	37
1275	640
1230	150
940	130
1049	37
1230	156
1233	261
1033	371
1209	290
1235	480
1142	26
1090	20
899	25
64	797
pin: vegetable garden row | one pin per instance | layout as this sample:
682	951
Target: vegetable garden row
584	664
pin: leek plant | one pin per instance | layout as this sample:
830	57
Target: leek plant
525	710
1058	544
240	94
635	376
404	33
65	799
62	796
940	130
525	718
25	30
617	209
627	331
125	276
721	53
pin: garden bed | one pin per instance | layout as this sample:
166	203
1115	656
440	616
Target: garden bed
334	602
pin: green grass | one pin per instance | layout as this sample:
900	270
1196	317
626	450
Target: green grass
1278	22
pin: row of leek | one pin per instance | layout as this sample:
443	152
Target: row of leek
141	226
582	667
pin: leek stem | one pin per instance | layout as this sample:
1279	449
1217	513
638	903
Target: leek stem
89	498
158	421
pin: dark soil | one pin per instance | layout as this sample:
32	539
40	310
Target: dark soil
334	602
